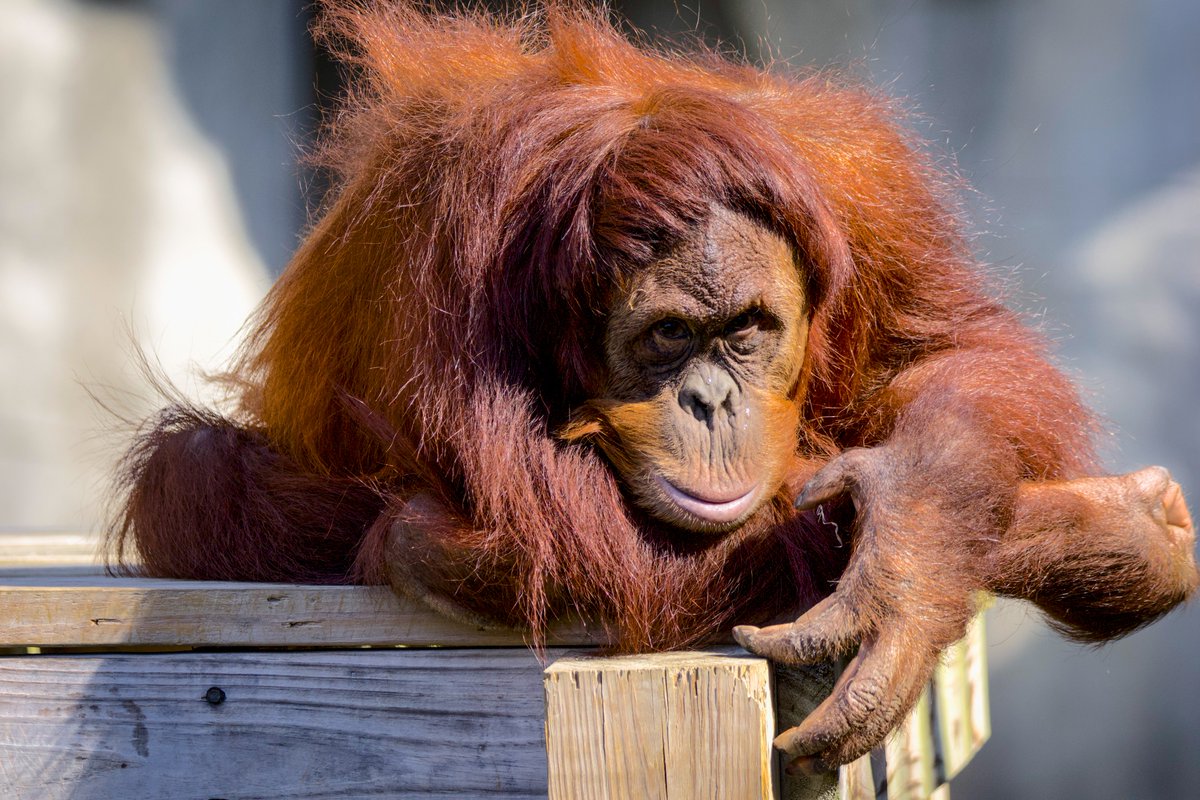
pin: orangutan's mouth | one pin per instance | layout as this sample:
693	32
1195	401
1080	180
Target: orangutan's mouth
709	509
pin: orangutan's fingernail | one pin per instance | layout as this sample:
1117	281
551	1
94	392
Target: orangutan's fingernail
742	633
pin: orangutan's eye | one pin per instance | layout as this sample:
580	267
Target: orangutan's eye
671	330
668	340
743	330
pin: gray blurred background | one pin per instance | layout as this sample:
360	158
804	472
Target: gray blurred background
149	191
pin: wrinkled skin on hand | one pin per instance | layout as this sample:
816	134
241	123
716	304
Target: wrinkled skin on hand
1132	533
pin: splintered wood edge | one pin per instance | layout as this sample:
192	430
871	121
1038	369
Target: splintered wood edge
720	657
92	612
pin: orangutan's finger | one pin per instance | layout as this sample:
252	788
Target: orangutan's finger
868	702
826	631
834	479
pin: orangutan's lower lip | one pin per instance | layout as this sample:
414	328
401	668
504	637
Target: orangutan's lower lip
709	510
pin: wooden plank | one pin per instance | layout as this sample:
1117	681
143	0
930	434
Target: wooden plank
291	725
623	727
855	781
975	657
124	612
670	725
961	687
909	753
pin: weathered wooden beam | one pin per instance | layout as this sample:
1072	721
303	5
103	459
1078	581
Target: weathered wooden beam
98	612
53	593
664	727
361	722
328	724
395	723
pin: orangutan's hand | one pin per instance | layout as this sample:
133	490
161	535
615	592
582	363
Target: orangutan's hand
1100	556
906	594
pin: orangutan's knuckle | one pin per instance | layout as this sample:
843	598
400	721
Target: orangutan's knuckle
857	462
885	718
863	697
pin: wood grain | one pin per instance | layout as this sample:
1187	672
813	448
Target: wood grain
910	755
651	726
979	707
671	726
855	781
960	691
122	612
393	724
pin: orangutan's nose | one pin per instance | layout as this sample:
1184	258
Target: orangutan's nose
706	391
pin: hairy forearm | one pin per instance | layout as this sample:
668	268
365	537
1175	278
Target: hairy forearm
1012	398
1101	556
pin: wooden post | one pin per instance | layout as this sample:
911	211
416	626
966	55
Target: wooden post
960	686
668	726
